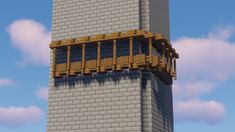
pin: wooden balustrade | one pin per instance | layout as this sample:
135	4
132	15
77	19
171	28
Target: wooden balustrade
150	51
98	56
54	62
165	62
76	67
155	61
139	61
83	58
131	52
175	74
106	64
68	59
61	69
122	62
91	65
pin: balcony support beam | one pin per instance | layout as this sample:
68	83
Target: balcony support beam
171	66
163	56
98	56
167	59
150	51
175	74
54	62
68	59
83	58
131	52
114	54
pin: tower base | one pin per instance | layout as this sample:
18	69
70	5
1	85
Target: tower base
129	101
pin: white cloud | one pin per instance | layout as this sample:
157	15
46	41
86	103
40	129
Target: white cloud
210	57
210	112
42	93
32	39
191	89
221	32
5	82
17	116
205	63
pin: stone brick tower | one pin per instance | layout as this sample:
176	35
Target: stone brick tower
112	67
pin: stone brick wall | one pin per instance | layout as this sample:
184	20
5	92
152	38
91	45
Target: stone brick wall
155	16
159	17
162	107
144	13
75	18
156	104
99	103
130	101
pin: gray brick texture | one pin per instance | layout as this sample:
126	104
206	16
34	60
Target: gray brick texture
129	101
157	105
98	103
76	18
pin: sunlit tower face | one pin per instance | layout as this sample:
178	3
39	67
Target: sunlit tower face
76	18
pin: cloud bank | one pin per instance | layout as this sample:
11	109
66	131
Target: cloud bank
210	112
17	116
205	63
31	39
208	57
5	82
42	93
192	89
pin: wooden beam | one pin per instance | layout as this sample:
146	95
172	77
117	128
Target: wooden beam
54	62
175	74
150	51
171	65
167	59
114	54
131	52
98	56
163	50
68	59
83	58
163	56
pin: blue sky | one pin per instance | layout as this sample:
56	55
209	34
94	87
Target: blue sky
202	32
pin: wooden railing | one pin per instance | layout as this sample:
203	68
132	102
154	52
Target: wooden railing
140	61
165	62
76	67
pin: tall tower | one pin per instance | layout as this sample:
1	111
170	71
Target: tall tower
112	67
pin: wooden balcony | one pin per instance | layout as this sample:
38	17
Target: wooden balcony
140	62
162	62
